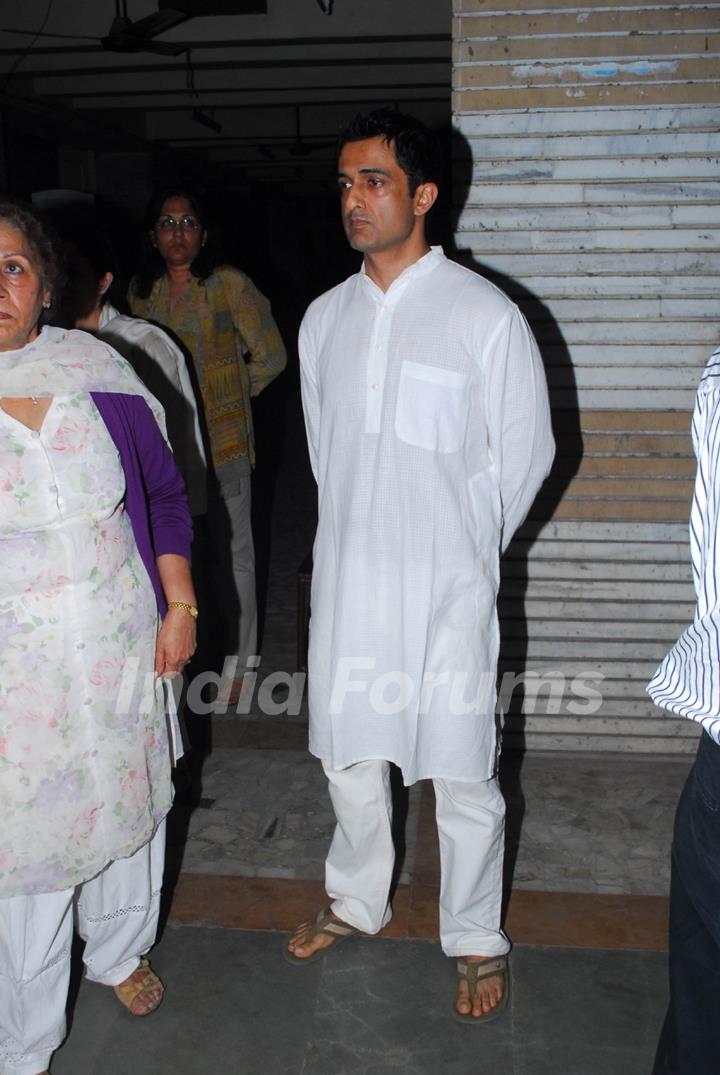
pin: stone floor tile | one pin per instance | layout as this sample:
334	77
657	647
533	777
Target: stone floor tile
373	1007
220	1013
578	1060
386	1006
582	1003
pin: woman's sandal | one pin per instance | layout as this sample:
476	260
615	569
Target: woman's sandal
472	973
141	981
324	922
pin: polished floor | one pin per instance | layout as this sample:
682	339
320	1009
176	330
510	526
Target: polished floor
586	877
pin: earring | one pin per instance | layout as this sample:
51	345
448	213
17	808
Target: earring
46	306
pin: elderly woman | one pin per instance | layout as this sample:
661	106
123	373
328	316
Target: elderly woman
226	325
94	540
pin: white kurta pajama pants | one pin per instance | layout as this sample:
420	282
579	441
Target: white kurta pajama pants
429	435
117	915
358	870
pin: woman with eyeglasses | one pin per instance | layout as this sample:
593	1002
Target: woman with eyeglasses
230	335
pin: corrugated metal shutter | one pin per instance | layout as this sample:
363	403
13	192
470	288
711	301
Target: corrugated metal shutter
594	201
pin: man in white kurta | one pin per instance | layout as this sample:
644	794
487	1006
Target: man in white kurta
429	434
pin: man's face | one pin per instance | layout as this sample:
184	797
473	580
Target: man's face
378	212
177	233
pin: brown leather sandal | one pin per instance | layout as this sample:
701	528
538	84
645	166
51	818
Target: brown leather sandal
141	981
324	922
472	973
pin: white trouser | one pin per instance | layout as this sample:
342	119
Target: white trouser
117	914
235	496
358	870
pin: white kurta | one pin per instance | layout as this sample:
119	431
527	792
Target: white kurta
429	433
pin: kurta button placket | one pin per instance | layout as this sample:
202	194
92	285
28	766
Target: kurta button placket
377	358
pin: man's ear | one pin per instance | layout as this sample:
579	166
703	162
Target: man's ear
425	197
105	280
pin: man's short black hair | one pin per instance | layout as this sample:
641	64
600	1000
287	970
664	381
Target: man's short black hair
413	143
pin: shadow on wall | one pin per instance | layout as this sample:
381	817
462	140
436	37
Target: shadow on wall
568	438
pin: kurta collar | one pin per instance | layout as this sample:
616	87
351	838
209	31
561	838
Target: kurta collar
418	269
107	314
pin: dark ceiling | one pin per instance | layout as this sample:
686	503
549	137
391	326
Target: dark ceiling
261	94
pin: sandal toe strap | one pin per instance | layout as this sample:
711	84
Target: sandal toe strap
477	972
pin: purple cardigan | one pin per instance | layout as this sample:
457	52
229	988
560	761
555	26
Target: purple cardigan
155	493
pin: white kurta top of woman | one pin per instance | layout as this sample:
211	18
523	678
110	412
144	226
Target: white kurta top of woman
84	766
84	775
429	433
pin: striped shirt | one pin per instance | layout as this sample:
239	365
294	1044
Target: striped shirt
688	680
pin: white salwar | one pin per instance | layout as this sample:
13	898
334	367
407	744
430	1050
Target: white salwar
429	434
117	916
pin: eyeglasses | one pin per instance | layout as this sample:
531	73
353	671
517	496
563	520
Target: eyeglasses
185	223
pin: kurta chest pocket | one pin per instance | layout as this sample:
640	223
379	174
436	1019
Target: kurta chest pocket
432	407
